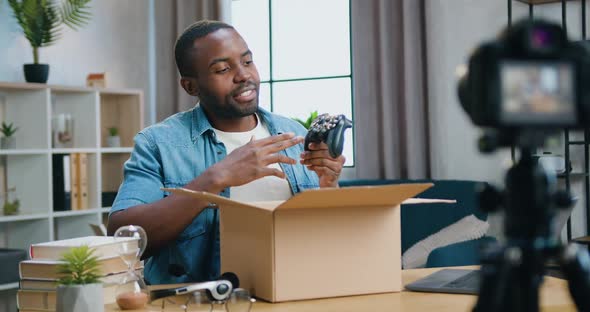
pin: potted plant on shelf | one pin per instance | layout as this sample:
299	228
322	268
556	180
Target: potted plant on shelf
10	207
113	140
8	140
41	22
307	123
79	288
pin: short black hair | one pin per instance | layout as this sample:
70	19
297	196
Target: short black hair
184	43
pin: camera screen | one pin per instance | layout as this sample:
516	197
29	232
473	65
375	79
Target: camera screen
537	93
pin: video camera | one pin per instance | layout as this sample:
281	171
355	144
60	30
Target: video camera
531	77
528	83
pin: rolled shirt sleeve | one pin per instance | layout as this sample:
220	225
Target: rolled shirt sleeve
142	181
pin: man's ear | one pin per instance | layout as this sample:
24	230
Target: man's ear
190	86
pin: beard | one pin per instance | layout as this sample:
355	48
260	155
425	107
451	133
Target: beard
228	107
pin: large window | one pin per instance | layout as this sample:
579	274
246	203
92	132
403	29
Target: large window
302	51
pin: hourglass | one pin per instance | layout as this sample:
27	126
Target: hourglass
132	293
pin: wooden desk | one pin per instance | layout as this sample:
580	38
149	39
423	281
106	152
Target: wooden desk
554	297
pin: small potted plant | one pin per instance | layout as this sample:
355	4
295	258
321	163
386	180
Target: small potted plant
113	140
307	123
10	207
79	287
8	140
41	23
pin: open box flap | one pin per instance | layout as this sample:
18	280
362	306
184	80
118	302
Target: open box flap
411	201
360	196
216	199
364	196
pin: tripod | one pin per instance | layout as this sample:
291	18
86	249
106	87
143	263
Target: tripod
512	273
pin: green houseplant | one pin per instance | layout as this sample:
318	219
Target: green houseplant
8	130
10	207
307	123
79	287
113	139
42	24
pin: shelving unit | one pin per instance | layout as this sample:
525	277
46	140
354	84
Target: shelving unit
29	165
568	143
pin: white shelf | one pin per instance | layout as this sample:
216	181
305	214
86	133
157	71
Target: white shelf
20	86
23	151
29	167
73	213
73	150
115	150
9	286
24	217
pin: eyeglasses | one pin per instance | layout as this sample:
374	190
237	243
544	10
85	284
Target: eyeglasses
239	301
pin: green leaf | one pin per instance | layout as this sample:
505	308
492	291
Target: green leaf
307	123
80	267
41	20
75	13
8	129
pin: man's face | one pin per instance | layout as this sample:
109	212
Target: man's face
227	78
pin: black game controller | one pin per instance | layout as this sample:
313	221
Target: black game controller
330	130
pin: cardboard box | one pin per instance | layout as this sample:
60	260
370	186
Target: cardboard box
319	243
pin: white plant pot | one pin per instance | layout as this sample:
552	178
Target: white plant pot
7	142
74	298
114	141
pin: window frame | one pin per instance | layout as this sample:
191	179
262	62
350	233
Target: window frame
271	81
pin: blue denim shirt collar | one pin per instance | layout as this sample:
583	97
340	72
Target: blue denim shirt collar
200	123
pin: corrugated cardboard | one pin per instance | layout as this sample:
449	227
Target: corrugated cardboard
320	243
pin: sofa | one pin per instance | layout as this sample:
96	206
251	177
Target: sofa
422	220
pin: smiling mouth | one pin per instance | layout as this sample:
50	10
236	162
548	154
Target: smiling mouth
245	96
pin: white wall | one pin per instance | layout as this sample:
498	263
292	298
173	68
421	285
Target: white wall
454	28
115	40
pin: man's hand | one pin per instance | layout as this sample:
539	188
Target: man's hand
319	160
250	162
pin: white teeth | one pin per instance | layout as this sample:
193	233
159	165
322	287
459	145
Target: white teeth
245	93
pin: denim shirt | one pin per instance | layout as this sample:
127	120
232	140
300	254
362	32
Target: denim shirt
171	154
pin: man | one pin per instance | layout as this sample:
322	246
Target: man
225	145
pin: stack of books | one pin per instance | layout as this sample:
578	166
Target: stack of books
38	276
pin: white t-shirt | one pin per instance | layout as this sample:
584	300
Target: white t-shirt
264	189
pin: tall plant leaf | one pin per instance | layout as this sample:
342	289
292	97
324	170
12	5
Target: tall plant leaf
42	20
75	13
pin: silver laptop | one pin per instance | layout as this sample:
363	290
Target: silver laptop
454	281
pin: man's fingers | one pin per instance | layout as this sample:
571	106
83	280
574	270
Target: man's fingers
284	144
324	171
279	158
275	138
308	155
318	146
264	172
333	165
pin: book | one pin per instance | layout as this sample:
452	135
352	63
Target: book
61	182
104	246
46	300
75	181
83	181
47	269
51	284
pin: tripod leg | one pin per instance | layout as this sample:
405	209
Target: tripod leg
575	264
492	288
